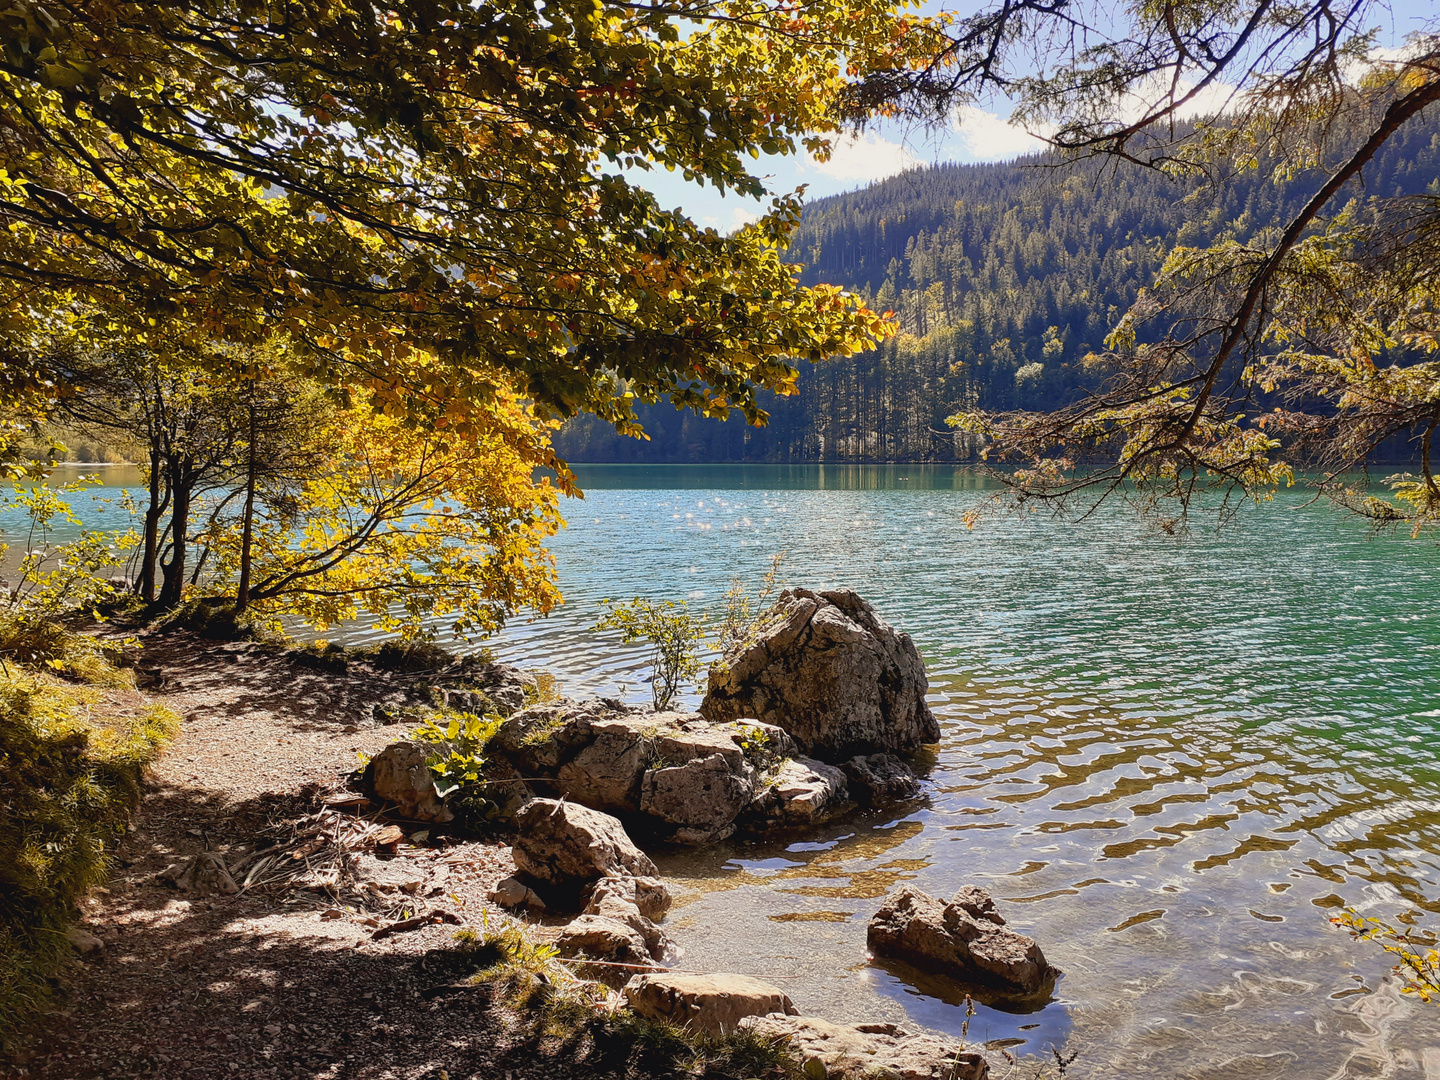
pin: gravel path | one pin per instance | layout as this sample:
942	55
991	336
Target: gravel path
267	984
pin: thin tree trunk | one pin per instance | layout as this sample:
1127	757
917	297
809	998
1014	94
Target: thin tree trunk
242	593
153	514
173	588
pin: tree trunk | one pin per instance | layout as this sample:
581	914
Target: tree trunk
153	513
242	593
173	571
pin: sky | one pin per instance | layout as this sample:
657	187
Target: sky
974	134
858	160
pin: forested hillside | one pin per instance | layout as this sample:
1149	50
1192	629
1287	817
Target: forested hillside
1004	277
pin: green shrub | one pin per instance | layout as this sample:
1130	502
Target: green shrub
70	771
674	635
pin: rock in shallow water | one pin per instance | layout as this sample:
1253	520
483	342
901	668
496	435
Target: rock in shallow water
838	678
711	1003
801	792
964	939
880	780
882	1051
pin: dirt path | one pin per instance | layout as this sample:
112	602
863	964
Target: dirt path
264	984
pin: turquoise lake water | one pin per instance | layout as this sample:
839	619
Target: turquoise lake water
1169	758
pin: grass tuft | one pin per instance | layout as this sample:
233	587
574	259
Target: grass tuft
531	979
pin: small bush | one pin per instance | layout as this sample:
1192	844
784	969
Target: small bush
674	635
71	773
43	643
744	617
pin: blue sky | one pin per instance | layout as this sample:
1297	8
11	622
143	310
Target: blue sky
884	150
975	134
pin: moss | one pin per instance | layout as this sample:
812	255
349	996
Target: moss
71	763
214	617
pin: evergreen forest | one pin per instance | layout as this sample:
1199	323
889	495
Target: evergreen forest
1004	277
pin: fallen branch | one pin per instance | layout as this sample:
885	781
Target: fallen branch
416	922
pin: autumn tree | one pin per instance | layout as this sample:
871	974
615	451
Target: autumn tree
417	529
427	198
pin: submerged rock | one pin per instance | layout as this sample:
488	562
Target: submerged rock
883	1051
881	780
834	675
401	774
964	939
710	1003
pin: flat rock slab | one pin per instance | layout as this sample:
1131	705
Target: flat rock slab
881	1051
711	1003
965	939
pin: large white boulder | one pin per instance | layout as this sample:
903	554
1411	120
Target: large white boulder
833	674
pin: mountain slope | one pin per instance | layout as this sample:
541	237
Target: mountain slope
1003	276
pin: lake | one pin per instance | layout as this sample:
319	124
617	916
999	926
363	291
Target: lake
1170	759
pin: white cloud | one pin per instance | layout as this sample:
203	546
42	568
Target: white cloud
865	158
1213	100
987	136
740	217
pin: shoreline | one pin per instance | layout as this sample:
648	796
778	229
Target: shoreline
282	982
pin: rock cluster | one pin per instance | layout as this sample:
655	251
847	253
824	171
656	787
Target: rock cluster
834	675
570	857
966	939
676	776
883	1051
